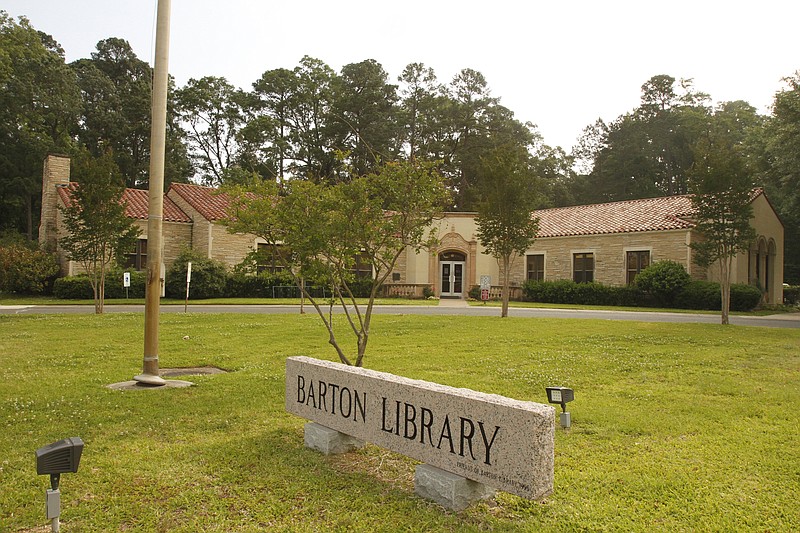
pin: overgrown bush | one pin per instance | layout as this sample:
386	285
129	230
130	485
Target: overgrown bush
25	269
209	277
663	281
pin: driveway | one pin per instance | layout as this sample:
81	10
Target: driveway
446	307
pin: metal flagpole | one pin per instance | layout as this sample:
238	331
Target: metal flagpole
155	217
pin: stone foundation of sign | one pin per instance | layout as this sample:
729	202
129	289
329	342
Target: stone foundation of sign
449	490
329	441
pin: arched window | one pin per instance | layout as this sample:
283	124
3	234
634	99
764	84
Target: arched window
452	256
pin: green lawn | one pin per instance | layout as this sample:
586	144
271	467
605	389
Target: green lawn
676	427
13	299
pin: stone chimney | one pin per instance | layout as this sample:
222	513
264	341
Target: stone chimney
55	174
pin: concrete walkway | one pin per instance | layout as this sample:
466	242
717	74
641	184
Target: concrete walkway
445	307
453	302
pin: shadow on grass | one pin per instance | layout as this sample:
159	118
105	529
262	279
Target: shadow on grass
366	488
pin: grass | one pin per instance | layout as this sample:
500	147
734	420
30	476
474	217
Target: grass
13	299
765	311
676	427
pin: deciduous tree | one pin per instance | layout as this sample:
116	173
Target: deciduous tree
39	104
506	227
722	187
213	111
322	230
98	232
782	168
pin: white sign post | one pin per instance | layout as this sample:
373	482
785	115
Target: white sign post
486	286
126	282
188	281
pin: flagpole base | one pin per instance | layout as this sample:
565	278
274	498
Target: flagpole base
150	379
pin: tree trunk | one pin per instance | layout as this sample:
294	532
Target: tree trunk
29	214
506	295
725	288
101	290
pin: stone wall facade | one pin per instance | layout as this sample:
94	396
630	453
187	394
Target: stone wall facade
56	173
609	251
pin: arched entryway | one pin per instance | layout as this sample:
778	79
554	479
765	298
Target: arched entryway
452	271
761	267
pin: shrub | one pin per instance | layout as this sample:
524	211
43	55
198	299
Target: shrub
706	295
427	292
663	280
115	288
698	294
361	287
744	297
474	292
208	277
73	288
241	285
791	295
26	270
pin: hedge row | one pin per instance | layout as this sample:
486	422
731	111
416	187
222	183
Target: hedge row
202	286
80	288
694	295
569	292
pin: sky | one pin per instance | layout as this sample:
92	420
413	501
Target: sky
558	64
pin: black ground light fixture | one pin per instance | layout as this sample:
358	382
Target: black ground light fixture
561	395
60	457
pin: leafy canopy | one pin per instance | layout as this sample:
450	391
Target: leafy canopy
322	230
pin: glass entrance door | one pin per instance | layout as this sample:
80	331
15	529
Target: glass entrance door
452	276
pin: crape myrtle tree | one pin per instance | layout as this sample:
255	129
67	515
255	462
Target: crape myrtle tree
506	227
98	231
321	230
721	181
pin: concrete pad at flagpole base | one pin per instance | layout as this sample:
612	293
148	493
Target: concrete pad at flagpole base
329	441
449	490
137	385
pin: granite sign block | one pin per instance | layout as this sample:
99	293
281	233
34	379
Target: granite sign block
500	442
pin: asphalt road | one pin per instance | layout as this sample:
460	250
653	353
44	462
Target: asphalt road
460	308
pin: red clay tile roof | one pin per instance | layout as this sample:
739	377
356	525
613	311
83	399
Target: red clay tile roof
649	214
138	200
137	204
212	205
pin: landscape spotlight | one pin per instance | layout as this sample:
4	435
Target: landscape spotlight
58	458
561	395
